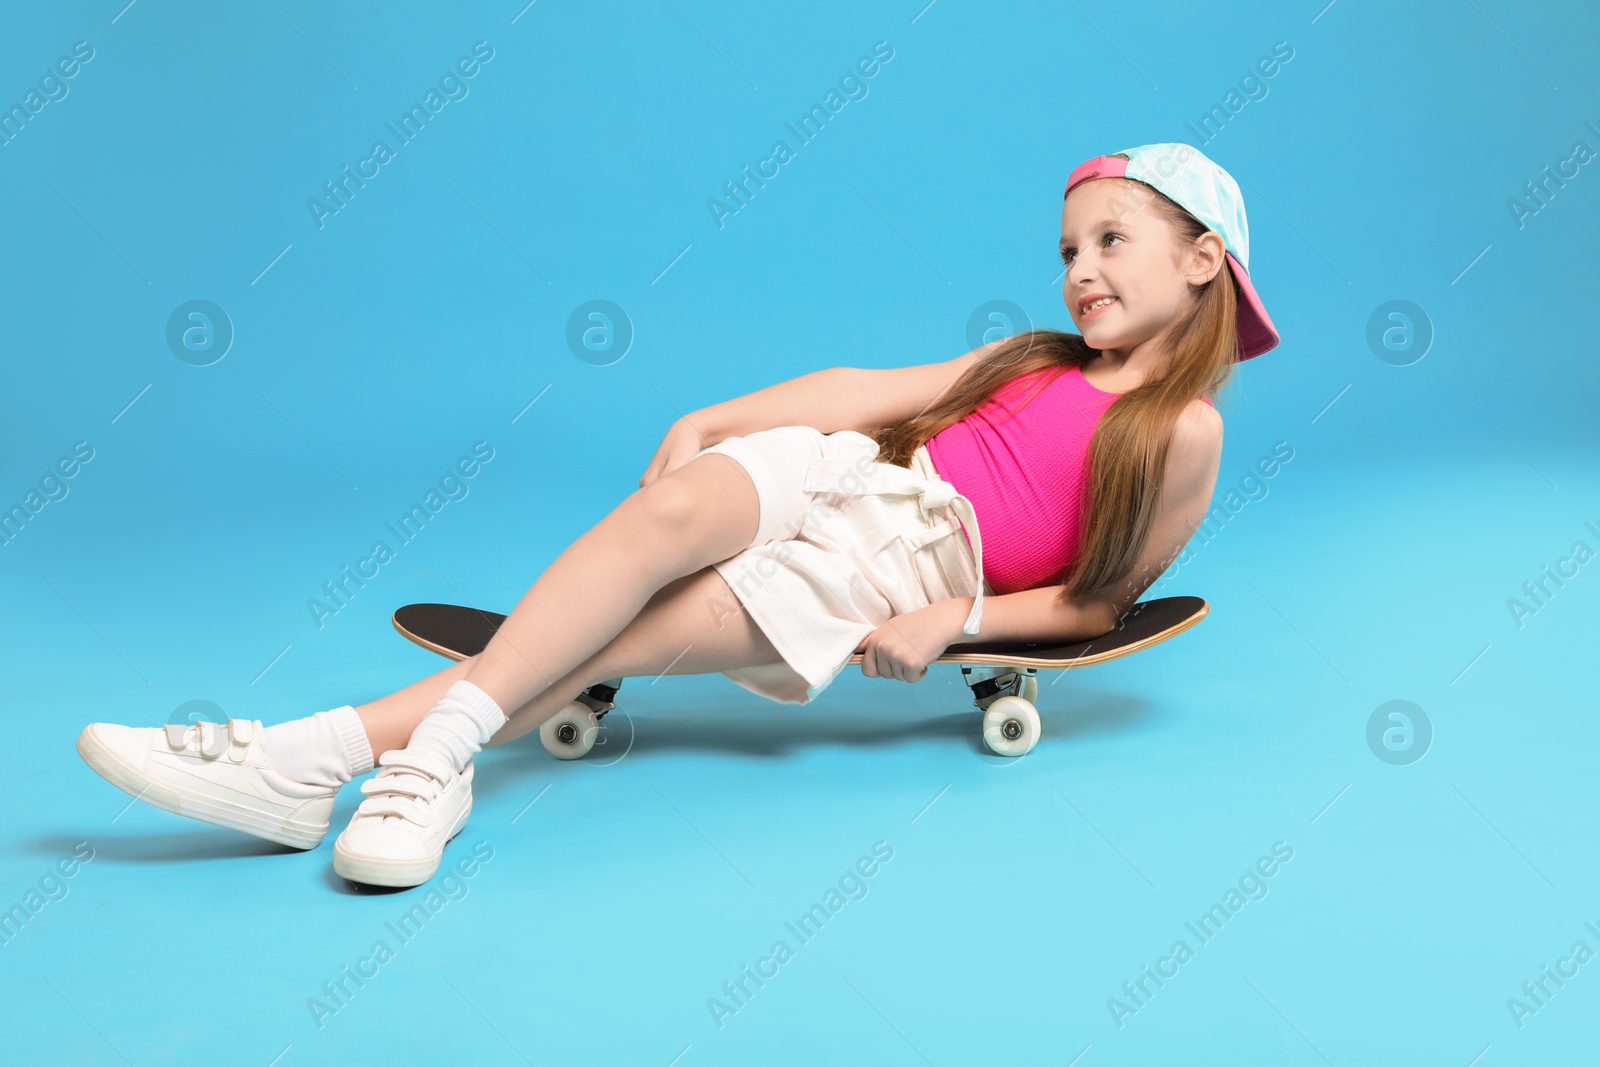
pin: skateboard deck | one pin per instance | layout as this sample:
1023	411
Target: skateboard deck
459	632
1000	674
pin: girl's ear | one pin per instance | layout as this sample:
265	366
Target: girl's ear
1204	258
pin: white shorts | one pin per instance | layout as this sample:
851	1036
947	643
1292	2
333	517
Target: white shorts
843	544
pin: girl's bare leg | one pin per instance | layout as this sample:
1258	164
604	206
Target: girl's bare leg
703	512
692	625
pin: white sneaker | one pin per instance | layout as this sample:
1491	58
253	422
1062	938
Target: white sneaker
214	773
415	804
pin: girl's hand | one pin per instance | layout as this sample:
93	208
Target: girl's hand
681	444
904	646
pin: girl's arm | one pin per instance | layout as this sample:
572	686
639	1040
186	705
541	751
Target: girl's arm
1038	615
809	400
1193	459
837	398
1027	615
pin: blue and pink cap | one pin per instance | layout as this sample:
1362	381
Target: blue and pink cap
1185	176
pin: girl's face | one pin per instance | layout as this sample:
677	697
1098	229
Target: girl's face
1116	243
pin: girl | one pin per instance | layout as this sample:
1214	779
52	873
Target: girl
810	520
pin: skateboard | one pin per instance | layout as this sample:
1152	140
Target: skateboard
1002	675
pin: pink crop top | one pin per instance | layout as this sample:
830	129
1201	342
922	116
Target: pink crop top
1023	473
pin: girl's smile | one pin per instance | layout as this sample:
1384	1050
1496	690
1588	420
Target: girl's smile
1094	304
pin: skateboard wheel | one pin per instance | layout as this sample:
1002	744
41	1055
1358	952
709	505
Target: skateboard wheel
1011	726
570	732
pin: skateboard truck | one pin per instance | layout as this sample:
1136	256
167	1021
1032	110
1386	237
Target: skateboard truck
602	696
988	684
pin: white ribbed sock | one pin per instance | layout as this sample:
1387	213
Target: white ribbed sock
329	748
458	725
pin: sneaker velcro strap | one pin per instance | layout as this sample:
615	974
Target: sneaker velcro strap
417	760
405	785
239	734
394	806
204	738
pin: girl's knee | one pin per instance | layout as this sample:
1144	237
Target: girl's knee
667	530
668	505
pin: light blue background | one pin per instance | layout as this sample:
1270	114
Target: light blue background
432	310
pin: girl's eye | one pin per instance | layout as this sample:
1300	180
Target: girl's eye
1067	253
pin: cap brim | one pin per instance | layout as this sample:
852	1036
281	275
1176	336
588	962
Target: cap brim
1098	167
1256	332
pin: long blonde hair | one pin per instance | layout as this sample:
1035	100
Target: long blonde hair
1128	450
